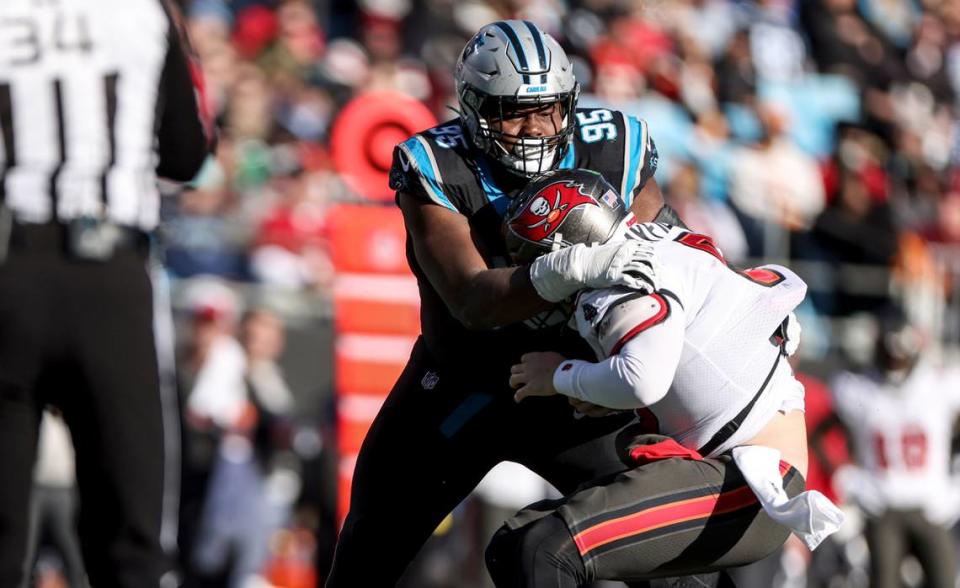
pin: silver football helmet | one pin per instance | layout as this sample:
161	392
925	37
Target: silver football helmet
562	208
510	65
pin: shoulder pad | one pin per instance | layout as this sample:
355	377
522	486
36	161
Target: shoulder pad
628	317
438	165
640	155
618	146
415	170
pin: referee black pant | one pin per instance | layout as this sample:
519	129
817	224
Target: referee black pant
79	335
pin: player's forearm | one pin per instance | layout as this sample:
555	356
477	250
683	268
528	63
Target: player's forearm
620	382
647	201
638	373
498	297
185	133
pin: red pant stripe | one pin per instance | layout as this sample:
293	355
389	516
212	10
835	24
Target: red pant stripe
661	516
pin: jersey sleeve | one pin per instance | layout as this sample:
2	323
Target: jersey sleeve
415	172
641	365
185	131
640	156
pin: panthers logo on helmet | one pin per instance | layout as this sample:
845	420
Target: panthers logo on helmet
548	209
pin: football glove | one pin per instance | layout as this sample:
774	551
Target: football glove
628	263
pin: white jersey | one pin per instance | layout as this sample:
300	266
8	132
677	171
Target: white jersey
697	351
901	435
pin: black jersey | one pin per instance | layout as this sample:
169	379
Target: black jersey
440	165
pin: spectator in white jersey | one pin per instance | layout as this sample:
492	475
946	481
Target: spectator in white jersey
718	463
97	99
900	416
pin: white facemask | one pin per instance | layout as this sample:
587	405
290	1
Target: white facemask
532	156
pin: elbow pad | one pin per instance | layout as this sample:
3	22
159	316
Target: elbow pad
629	317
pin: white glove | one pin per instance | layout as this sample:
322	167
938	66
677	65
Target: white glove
562	273
792	334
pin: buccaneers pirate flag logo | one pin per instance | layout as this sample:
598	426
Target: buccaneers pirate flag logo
547	210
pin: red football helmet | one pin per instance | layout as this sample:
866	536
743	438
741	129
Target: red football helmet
559	209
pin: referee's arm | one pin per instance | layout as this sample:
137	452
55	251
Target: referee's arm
185	132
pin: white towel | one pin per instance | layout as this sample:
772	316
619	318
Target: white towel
810	515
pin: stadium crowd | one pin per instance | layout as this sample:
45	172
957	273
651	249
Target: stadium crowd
820	133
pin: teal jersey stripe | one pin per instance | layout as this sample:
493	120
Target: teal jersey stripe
636	146
569	160
428	173
494	194
464	412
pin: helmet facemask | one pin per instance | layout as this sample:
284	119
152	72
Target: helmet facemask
522	154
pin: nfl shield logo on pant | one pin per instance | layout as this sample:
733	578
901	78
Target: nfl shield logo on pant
429	380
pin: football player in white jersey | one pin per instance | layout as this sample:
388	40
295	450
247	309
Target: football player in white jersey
899	416
720	453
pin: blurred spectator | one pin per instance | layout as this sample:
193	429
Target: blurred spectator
203	236
220	481
254	30
894	20
900	413
709	24
736	73
290	245
946	228
843	42
249	114
217	393
926	59
292	563
632	41
777	49
856	233
300	41
774	183
240	405
712	150
263	339
709	217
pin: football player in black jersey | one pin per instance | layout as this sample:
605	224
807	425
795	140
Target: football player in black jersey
451	416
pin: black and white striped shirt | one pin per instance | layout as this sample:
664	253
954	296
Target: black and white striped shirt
97	98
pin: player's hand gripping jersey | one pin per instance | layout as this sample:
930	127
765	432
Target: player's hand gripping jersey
441	166
702	350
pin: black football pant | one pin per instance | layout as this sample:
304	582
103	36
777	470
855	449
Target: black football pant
666	518
434	440
80	336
